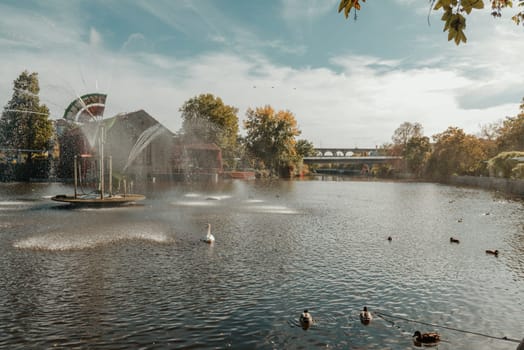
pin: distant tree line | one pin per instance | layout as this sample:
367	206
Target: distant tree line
494	152
270	144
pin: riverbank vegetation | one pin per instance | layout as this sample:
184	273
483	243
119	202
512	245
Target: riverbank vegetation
498	150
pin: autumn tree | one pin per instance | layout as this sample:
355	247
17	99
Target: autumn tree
25	124
489	134
511	133
206	119
271	137
452	13
417	153
455	152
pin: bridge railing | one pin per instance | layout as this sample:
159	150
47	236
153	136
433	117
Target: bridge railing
347	152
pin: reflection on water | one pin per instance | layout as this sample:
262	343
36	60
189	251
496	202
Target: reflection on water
139	277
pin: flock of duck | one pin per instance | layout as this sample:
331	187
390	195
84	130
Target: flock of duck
419	339
494	252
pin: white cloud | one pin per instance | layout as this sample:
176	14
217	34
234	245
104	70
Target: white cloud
306	9
95	39
361	104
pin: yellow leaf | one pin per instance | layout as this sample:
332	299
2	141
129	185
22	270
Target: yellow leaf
348	8
342	5
478	4
463	37
451	34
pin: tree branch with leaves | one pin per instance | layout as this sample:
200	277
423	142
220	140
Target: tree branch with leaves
452	13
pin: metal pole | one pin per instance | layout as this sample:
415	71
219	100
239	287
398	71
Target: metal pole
101	138
110	176
76	174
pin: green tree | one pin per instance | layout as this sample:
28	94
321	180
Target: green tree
417	153
206	119
505	165
511	133
455	152
305	148
25	123
452	13
271	137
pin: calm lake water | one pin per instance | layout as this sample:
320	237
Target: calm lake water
139	277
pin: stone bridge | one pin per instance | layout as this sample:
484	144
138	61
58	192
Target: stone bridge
342	155
346	152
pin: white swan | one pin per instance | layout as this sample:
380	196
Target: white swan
209	237
365	316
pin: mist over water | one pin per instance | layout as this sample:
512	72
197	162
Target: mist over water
143	140
139	276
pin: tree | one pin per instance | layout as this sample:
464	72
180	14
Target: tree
401	136
505	165
405	132
455	152
452	10
511	133
305	148
206	119
25	123
417	153
271	137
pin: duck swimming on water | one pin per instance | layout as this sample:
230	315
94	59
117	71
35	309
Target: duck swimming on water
426	338
492	252
365	316
306	319
209	237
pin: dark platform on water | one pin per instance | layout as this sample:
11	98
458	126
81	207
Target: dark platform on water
96	201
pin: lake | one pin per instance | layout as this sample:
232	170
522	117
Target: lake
139	277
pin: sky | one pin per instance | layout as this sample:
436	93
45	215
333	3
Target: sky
349	83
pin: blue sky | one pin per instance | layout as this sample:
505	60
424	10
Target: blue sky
348	83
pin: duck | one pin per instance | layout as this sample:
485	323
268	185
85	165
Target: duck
209	237
390	238
492	252
306	319
453	240
426	338
365	316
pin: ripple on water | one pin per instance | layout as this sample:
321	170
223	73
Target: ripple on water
248	290
62	240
